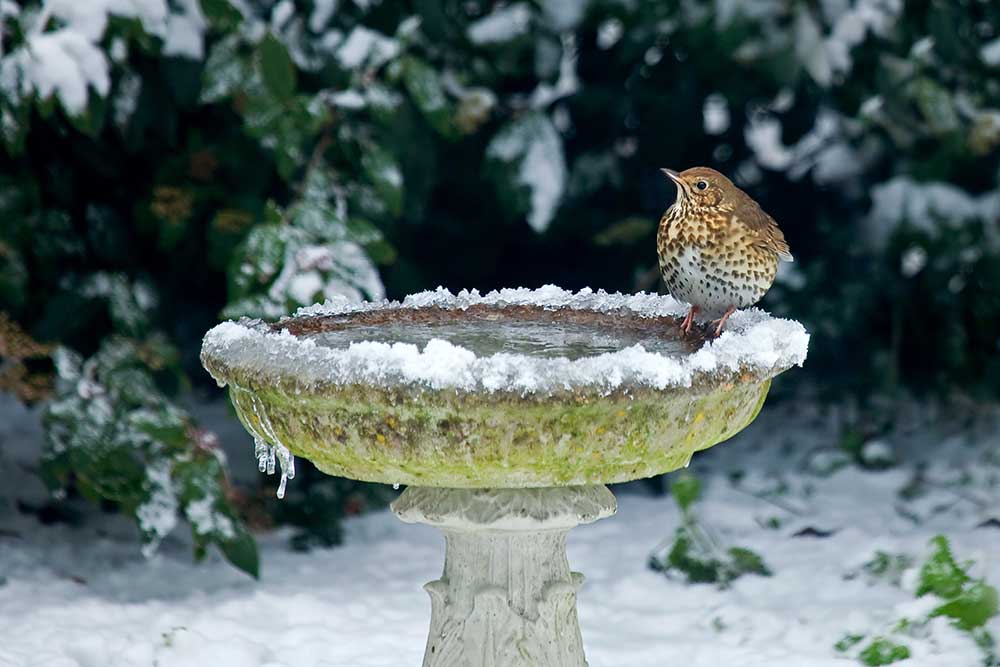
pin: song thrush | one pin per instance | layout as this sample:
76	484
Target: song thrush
718	249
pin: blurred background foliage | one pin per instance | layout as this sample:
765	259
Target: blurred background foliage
169	163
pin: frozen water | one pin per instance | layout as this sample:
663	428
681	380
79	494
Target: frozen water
754	341
269	451
552	340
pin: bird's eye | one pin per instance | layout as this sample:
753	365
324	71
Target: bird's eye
701	185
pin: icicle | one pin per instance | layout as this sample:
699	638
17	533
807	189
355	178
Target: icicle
260	451
270	461
277	452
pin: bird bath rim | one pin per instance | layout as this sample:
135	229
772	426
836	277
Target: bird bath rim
256	355
446	417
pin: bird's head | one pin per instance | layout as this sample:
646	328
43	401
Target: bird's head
701	187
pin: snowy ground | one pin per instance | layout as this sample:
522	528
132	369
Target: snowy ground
83	597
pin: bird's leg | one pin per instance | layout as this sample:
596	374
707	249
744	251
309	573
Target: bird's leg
689	319
722	320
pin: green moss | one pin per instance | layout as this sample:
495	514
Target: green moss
455	439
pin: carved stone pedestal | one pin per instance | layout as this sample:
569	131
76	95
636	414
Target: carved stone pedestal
507	597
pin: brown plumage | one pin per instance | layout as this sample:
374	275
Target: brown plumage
718	249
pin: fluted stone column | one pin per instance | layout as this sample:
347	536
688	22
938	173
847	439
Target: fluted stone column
507	596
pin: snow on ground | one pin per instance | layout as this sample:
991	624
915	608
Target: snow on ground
84	597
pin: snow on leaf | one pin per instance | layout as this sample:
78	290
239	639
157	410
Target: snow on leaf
315	255
823	149
503	25
809	48
207	520
157	515
226	71
323	11
185	31
533	145
61	64
68	62
925	206
364	46
990	53
568	82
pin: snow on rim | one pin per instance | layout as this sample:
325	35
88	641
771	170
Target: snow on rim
753	341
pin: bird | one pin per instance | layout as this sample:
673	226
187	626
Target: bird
717	248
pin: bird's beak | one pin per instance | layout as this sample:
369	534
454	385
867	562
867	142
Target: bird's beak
672	175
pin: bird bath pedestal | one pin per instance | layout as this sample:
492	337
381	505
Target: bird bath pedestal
505	415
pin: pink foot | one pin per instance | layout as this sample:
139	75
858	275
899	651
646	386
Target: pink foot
721	322
689	319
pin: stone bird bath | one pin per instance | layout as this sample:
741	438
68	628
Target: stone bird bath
505	415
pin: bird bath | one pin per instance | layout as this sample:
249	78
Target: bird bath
505	415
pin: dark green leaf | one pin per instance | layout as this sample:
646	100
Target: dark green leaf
241	551
423	83
276	68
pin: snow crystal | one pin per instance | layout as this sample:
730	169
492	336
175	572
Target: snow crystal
755	341
502	25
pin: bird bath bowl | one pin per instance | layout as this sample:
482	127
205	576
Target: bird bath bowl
505	415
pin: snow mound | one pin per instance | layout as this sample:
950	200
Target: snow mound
754	342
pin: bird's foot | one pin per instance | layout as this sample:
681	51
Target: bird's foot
721	322
689	319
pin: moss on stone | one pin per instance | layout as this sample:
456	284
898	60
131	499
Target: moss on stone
459	439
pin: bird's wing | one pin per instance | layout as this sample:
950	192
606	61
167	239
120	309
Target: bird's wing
764	228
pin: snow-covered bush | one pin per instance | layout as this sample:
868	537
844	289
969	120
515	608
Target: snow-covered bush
170	162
